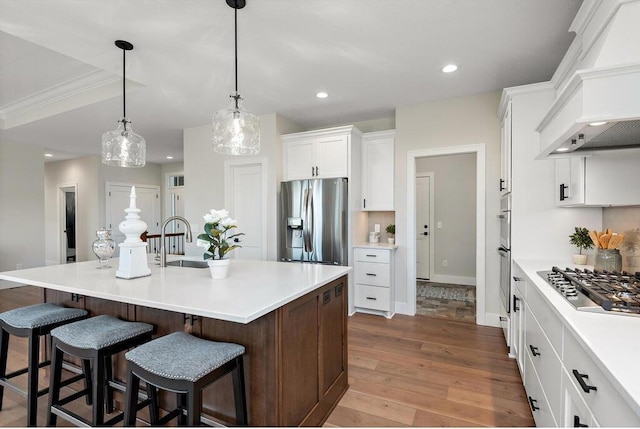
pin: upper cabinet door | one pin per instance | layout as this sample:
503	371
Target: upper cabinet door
505	153
298	161
331	157
378	171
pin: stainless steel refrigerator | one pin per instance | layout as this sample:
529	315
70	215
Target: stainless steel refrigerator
313	221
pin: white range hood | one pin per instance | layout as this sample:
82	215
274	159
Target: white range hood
597	108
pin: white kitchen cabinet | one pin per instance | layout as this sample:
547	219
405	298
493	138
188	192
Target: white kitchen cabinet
505	151
378	151
575	410
597	181
538	402
373	272
518	308
318	154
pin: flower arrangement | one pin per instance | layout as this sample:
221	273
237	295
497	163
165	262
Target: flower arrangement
217	233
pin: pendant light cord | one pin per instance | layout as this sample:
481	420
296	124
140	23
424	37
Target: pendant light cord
236	49
124	92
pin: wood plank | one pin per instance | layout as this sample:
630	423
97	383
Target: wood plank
379	407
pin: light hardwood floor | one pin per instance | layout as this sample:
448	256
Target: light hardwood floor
406	371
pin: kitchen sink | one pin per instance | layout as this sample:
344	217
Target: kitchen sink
190	263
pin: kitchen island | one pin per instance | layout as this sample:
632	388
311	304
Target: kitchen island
290	317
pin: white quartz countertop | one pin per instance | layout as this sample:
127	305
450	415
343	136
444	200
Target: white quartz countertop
253	288
614	339
380	245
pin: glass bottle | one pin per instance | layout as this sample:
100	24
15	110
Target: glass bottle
104	247
608	260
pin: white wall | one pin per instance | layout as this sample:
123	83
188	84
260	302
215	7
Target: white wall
205	182
90	175
449	123
22	222
454	206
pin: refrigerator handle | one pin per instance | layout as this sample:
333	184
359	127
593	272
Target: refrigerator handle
306	235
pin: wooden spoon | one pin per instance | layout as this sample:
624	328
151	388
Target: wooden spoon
604	240
594	238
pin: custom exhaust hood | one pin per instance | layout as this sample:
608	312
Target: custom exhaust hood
597	110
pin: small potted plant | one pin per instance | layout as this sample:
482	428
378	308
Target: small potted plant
391	230
581	239
216	239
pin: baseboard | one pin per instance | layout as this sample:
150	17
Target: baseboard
456	280
492	319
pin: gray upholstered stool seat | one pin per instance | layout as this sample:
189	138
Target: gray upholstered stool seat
167	356
31	322
96	339
185	364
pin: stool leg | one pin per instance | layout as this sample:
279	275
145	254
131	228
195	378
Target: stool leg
239	393
32	380
193	406
154	405
4	346
54	382
86	367
108	390
98	390
181	399
131	399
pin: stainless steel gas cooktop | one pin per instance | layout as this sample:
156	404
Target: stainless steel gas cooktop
598	291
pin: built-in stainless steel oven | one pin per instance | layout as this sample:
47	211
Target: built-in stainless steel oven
505	264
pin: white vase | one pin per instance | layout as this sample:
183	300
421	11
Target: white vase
579	259
391	240
219	268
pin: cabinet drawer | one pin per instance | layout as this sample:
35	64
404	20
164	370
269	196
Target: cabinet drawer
537	401
575	409
605	403
546	362
547	318
371	273
373	255
373	297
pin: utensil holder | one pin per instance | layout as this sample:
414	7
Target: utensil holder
608	260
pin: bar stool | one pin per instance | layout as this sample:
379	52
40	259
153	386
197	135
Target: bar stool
184	364
96	339
31	322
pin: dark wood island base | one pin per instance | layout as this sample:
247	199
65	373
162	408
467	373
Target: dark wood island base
295	361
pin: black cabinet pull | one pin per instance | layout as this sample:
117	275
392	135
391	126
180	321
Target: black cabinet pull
372	298
312	173
371	256
338	290
534	350
562	195
364	203
326	297
517	279
577	424
316	170
502	188
503	319
371	274
582	383
533	403
515	303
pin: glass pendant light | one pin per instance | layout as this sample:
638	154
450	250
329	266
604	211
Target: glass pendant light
122	147
235	130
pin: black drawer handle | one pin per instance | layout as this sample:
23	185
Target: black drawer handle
372	298
577	424
502	188
517	279
533	403
371	256
583	384
534	350
372	274
562	194
515	303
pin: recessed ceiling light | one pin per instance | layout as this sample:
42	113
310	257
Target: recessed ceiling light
562	149
597	124
322	94
48	155
449	68
169	157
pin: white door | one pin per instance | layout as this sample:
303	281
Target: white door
423	227
246	202
147	200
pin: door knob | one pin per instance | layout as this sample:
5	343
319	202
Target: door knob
425	233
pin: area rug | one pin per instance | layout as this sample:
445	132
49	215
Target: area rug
452	293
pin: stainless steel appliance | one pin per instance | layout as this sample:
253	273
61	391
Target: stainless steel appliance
599	291
505	264
313	221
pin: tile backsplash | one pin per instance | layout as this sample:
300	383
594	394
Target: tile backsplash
383	219
625	220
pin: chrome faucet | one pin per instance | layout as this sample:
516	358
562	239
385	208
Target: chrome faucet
163	250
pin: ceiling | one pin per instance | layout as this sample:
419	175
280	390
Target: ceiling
61	74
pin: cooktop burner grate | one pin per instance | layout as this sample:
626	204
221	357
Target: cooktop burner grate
611	291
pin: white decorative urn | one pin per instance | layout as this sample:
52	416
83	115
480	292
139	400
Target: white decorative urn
133	251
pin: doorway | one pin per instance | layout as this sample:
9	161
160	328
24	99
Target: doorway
480	215
424	214
67	223
246	200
